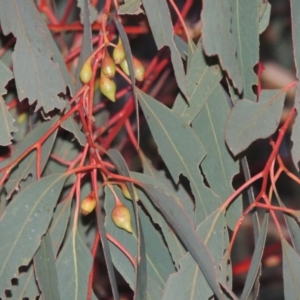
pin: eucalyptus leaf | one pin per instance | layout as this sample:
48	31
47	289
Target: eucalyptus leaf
22	234
44	264
250	121
5	116
73	266
177	144
159	19
37	77
218	39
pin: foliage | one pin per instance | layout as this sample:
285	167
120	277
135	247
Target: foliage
68	97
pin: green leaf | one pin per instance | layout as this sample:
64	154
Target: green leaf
131	7
296	131
45	270
256	259
159	262
23	224
73	268
26	287
141	267
159	19
37	77
28	164
217	38
250	121
245	30
5	116
203	77
291	271
181	151
265	17
59	224
189	282
92	12
183	226
218	166
71	126
295	12
175	247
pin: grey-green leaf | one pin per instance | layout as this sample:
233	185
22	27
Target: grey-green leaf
26	287
37	77
159	262
184	228
291	271
92	12
28	165
131	7
245	30
59	224
175	247
5	116
250	121
73	268
177	144
189	282
219	167
256	259
71	126
217	38
45	270
22	234
159	19
265	18
203	77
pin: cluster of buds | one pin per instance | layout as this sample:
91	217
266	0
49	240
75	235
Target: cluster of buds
108	70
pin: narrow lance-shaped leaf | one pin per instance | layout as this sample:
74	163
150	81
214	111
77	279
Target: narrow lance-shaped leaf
203	77
184	228
181	150
217	38
141	268
28	164
291	271
245	30
131	7
250	121
26	287
189	282
24	222
159	18
176	249
256	259
45	270
73	268
59	224
158	260
6	118
295	12
219	167
37	77
92	12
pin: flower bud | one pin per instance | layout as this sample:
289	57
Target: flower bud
86	72
126	193
108	87
139	70
118	52
124	66
108	67
87	205
121	217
